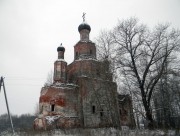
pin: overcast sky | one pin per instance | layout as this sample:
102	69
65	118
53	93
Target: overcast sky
31	31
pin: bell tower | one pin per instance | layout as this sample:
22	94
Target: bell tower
60	66
85	48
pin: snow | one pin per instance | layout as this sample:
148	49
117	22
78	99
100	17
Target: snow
61	60
71	84
62	85
89	41
51	119
70	116
93	132
59	84
82	59
83	76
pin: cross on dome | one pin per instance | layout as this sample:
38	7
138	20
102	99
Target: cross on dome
83	16
84	25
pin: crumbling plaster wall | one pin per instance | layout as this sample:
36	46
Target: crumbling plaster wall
64	99
101	94
126	111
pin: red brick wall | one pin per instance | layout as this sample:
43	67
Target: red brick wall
60	75
64	99
87	48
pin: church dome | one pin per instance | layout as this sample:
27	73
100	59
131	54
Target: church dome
84	26
61	48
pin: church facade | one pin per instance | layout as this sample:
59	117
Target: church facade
83	93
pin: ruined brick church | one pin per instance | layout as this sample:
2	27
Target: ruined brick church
83	93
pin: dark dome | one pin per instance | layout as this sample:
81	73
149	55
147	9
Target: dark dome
84	26
60	48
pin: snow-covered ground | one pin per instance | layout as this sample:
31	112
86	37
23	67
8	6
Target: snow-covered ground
95	132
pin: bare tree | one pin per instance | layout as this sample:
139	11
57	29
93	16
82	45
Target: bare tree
141	55
49	79
104	44
167	105
106	51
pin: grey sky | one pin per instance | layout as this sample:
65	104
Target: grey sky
31	30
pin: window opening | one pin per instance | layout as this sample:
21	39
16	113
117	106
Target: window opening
98	72
52	107
120	112
93	109
101	112
76	54
90	51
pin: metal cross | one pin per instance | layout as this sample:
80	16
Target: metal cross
83	16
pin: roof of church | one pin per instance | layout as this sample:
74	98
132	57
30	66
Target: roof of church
84	26
61	48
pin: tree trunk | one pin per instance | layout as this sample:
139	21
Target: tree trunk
149	119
